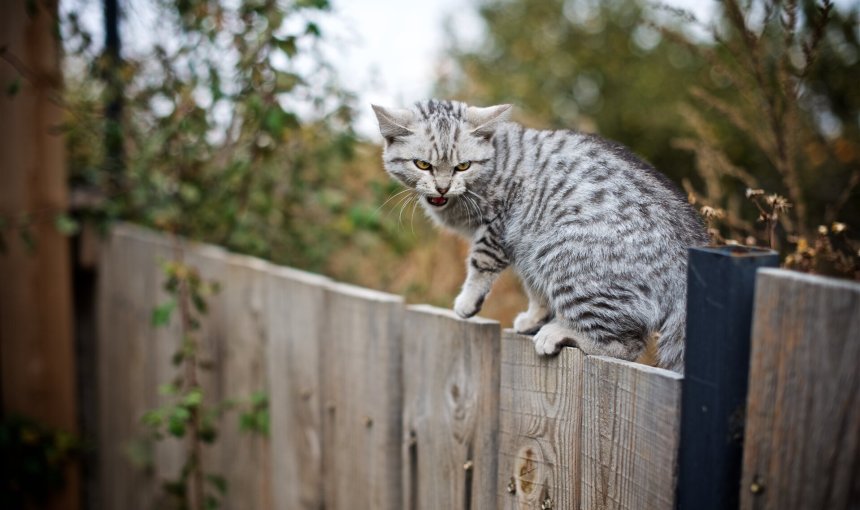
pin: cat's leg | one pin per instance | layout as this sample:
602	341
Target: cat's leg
486	260
538	314
560	333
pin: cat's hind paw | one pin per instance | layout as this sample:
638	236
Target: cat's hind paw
552	337
468	303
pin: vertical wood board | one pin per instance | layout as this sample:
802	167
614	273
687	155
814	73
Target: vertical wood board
450	411
128	289
360	355
296	312
630	430
803	411
539	430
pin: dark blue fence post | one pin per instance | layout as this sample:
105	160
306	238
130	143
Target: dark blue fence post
720	291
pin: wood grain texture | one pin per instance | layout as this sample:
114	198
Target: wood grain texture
539	431
296	313
362	398
233	340
128	287
630	430
450	410
803	412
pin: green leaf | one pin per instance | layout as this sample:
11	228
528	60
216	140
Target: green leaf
161	313
219	482
153	418
288	45
66	225
168	389
194	398
211	502
27	237
259	399
313	4
14	87
286	82
313	29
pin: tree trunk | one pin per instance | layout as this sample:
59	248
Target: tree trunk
37	368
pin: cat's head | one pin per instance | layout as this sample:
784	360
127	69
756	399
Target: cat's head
438	148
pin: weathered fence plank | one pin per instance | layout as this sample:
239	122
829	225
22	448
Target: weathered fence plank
296	313
539	431
803	411
126	367
361	361
135	359
234	342
720	290
450	410
630	425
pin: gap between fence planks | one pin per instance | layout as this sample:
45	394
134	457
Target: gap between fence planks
803	411
450	410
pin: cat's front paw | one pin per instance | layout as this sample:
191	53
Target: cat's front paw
528	323
468	303
552	337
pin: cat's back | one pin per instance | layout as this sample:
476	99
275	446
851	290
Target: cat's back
593	198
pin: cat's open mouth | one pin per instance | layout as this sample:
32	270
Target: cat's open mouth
437	201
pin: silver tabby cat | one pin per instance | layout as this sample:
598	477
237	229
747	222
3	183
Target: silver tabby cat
598	237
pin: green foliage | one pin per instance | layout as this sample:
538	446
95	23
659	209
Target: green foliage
186	412
594	66
33	460
766	97
256	418
230	130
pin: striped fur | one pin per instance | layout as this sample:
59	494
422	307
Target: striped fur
597	236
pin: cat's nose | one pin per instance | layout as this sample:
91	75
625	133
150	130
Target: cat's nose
442	191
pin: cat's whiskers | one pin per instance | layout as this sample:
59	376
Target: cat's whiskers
404	206
477	195
477	208
392	197
412	218
403	201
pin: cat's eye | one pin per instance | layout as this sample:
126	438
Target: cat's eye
421	164
463	166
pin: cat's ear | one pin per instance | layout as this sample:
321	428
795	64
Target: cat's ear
393	122
486	120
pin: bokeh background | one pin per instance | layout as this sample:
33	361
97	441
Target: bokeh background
247	124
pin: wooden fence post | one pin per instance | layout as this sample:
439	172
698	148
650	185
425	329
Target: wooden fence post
450	410
803	414
720	287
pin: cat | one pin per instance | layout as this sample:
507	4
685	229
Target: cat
598	237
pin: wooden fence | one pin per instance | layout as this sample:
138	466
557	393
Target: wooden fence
379	405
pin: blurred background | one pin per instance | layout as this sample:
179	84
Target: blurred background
247	124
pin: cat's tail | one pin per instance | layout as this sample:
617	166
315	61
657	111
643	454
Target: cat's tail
670	345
